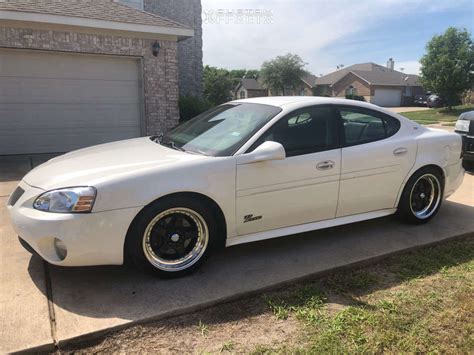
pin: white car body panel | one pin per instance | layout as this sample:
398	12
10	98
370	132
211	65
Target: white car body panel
278	191
291	195
372	174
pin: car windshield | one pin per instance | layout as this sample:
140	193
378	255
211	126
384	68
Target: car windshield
222	130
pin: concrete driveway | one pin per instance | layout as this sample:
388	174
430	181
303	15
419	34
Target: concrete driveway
407	109
42	305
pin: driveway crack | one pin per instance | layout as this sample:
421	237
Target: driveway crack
49	294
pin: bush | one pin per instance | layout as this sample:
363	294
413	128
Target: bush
191	106
355	97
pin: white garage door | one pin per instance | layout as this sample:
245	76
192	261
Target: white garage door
57	102
387	97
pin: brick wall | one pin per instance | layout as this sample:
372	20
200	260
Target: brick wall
160	73
339	88
187	12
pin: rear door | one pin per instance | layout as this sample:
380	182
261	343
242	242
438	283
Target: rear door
376	157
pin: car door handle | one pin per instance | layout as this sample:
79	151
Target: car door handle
400	151
325	165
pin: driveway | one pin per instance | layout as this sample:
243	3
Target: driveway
407	109
42	305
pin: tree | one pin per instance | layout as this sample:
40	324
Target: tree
217	85
447	67
283	72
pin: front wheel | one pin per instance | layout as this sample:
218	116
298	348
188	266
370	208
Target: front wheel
172	237
421	197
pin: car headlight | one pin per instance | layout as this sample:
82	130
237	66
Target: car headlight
68	200
462	126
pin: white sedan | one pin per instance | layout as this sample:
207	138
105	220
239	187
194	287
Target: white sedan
244	171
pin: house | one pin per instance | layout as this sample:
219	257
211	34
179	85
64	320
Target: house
82	72
249	87
306	85
383	86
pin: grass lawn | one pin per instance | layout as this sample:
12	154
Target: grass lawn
422	301
438	115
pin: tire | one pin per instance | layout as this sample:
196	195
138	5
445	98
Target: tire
468	165
422	196
172	237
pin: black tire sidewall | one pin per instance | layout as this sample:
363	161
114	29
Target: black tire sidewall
133	244
404	211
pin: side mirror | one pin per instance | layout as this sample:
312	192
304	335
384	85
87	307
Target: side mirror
266	151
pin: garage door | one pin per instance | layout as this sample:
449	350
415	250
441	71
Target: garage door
57	102
387	97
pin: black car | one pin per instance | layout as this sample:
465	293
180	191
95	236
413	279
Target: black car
435	101
420	100
465	127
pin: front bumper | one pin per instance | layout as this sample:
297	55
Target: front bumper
90	238
468	147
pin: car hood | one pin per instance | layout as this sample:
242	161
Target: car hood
93	165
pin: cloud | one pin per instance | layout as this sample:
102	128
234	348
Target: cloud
410	66
305	27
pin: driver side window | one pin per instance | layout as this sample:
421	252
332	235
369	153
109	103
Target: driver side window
304	131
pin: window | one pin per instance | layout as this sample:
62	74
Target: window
305	131
364	126
351	90
242	94
222	130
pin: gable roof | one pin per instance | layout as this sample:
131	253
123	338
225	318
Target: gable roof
104	12
250	84
373	74
309	79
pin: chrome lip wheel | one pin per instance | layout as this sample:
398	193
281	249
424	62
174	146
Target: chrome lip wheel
175	239
425	196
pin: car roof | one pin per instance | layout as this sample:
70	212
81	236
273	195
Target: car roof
303	101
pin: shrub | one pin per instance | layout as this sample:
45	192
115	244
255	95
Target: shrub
355	97
191	106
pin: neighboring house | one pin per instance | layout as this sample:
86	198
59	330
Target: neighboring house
380	85
249	87
306	86
77	73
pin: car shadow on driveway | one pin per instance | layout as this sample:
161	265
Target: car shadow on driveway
91	299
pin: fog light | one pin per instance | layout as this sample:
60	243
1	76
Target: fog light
60	248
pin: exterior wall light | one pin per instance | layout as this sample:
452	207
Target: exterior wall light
156	48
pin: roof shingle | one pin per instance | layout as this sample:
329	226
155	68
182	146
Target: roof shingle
373	73
107	10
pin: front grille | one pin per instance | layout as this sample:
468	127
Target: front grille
15	196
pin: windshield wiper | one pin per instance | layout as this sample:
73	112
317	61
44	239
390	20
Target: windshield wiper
172	145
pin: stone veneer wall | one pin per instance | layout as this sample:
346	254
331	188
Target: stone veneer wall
187	12
160	73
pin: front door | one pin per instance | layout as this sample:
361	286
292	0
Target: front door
301	188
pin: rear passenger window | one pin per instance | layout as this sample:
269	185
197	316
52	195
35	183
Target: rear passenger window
364	126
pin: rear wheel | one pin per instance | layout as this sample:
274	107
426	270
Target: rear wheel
421	197
172	237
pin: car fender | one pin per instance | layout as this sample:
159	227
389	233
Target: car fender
213	177
441	149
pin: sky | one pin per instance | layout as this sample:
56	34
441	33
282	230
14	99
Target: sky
242	34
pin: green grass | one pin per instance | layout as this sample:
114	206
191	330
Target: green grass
422	301
438	115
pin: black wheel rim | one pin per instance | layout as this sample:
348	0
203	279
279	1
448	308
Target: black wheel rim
425	196
175	239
